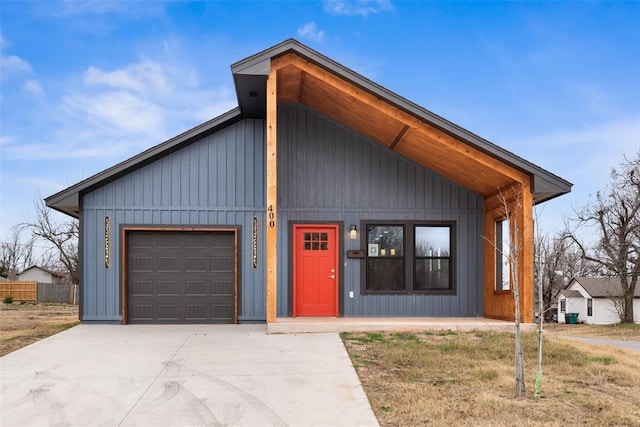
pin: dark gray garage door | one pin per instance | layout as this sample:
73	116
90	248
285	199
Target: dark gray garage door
181	277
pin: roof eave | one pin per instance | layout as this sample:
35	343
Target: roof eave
67	201
544	184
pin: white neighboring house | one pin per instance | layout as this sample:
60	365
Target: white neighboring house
41	275
593	299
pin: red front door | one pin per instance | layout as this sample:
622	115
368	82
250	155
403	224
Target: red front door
315	270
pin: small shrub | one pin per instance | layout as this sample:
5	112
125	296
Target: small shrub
376	336
445	348
488	374
605	360
406	336
8	299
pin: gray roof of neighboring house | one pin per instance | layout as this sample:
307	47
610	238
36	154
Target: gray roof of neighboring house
250	76
603	287
570	294
53	273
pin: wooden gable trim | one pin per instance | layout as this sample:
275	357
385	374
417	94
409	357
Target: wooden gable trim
412	138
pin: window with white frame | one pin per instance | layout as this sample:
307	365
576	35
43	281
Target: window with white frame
502	252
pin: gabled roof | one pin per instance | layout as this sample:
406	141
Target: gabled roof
602	287
46	270
570	294
308	77
68	200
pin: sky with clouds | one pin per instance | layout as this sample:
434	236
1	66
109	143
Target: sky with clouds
87	84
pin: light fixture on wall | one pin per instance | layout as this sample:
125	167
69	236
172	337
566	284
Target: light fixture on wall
353	232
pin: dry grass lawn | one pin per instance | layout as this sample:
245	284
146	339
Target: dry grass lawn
467	378
24	324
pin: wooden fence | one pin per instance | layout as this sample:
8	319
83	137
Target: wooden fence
20	291
35	292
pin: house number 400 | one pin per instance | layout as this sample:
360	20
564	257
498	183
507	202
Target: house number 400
272	216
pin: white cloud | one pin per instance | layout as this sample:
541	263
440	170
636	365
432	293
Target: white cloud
145	76
357	7
119	111
116	113
12	65
33	87
310	31
621	134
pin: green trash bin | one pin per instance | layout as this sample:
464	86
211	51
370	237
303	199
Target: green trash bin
571	318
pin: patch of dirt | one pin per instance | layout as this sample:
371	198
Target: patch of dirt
22	324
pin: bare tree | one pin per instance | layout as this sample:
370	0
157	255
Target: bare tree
511	251
615	214
557	261
16	254
61	237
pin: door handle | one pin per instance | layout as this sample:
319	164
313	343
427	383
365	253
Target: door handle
333	276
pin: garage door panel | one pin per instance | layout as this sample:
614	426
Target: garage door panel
196	264
222	311
139	263
168	240
142	311
197	312
165	312
221	288
196	289
141	288
141	241
167	288
222	264
168	264
185	277
198	241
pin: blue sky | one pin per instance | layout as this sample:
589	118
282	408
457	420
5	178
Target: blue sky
87	84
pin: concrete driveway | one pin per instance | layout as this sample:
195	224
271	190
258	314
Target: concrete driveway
111	375
629	345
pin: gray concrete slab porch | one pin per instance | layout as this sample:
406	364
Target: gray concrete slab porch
299	325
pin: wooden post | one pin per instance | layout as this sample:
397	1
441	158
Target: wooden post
272	197
526	263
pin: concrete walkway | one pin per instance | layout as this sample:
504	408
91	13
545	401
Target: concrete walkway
180	375
629	345
298	325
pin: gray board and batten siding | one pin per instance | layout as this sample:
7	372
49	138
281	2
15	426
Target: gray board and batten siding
329	173
326	173
215	181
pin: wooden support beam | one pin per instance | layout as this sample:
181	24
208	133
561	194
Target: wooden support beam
272	197
500	304
397	139
303	75
527	267
429	133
